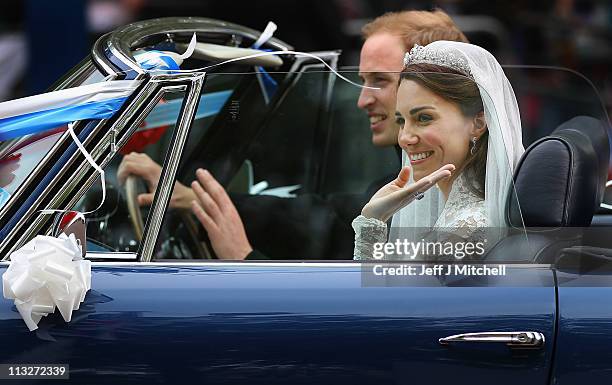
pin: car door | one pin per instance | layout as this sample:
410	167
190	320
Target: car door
289	323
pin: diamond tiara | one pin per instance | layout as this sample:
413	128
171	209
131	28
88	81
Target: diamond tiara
419	54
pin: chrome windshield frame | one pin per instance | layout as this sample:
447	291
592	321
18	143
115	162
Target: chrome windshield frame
171	163
77	175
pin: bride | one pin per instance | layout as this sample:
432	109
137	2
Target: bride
461	135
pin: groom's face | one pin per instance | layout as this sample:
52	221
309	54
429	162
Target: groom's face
380	63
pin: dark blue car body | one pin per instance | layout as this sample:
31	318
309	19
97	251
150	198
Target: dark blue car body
315	323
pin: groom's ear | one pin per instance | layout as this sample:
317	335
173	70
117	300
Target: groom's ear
480	125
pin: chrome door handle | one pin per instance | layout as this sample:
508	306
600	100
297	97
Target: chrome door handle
512	339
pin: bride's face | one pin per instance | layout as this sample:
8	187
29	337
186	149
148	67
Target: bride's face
433	131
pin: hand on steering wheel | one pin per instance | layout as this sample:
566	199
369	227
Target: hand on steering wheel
135	166
143	166
397	194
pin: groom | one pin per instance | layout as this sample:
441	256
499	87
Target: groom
386	40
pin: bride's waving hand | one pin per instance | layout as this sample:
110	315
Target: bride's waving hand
399	192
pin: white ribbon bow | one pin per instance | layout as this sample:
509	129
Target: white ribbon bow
45	273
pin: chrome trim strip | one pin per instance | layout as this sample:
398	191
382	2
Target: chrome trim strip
113	256
261	263
233	263
170	168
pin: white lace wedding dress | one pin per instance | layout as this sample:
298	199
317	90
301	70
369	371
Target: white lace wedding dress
463	216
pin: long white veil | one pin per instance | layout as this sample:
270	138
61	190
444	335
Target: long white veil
504	144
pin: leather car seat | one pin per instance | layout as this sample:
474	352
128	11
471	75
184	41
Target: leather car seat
559	184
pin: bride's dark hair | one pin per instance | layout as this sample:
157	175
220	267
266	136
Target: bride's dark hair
459	89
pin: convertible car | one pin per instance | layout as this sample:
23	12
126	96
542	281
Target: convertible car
285	138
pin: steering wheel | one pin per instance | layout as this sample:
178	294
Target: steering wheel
131	197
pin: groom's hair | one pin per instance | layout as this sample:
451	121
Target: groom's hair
415	27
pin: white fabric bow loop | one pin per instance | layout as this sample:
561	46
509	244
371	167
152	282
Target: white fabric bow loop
46	273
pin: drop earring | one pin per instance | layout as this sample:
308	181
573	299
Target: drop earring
473	146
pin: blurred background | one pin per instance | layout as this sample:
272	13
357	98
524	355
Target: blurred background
40	40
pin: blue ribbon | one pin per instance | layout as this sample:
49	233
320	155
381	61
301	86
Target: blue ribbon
270	85
163	114
40	121
156	60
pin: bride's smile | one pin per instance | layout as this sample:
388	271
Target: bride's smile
419	157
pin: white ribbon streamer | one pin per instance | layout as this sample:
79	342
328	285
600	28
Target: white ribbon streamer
68	97
93	164
265	35
192	45
46	273
272	53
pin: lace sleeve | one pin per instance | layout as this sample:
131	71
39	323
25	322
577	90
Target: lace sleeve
467	225
470	220
464	213
368	231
